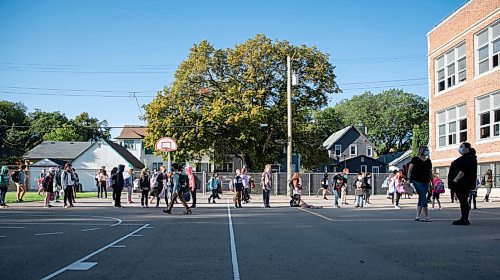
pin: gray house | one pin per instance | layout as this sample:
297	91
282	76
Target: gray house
349	148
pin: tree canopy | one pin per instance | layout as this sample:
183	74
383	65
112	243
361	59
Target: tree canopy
389	117
21	131
220	98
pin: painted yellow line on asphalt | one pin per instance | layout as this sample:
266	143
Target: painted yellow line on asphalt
316	214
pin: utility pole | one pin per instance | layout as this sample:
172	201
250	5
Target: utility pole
289	122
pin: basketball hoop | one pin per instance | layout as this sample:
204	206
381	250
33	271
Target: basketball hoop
166	144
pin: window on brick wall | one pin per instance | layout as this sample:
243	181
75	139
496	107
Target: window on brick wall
488	116
451	68
487	48
451	126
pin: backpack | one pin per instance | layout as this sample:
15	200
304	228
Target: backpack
439	187
14	176
187	196
197	182
183	183
40	183
483	181
385	184
238	183
338	182
58	178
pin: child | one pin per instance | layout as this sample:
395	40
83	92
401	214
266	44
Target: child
398	185
437	190
359	190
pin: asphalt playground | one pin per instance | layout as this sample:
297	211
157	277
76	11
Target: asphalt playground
96	241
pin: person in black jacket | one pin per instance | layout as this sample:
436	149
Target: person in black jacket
119	182
462	179
145	186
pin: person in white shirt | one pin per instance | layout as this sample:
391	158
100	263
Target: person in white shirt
68	180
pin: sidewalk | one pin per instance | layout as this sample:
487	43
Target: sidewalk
377	202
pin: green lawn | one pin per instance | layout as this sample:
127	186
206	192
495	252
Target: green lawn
33	196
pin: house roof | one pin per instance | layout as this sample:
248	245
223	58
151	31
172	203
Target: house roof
404	156
366	157
335	137
62	150
390	157
129	157
328	144
132	132
50	162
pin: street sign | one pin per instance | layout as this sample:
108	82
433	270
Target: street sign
166	144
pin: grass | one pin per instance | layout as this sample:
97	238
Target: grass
33	196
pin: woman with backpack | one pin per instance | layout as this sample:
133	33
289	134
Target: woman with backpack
48	186
437	190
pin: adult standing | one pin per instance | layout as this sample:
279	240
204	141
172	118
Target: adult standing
129	184
176	190
367	192
160	183
213	185
420	174
48	186
102	178
246	185
118	185
343	191
20	182
487	181
237	189
68	180
4	185
145	186
325	183
462	179
192	184
266	182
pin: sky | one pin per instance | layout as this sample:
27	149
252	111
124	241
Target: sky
93	56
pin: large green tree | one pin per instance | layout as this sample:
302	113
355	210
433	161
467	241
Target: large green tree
389	117
13	135
220	98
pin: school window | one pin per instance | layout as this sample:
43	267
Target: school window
225	167
488	116
353	150
451	126
157	165
369	151
129	144
338	150
450	68
487	48
375	169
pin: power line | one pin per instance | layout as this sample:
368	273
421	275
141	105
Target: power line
73	95
384	81
77	90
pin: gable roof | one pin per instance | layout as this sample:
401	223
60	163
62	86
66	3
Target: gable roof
335	137
405	155
50	162
132	132
62	150
328	144
126	154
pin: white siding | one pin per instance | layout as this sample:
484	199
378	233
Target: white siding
89	163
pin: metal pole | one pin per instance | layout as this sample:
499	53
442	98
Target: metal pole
289	122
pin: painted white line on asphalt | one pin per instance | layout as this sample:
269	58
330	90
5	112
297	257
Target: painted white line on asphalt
82	266
48	233
316	214
11	227
90	229
94	253
137	235
234	255
119	221
1	236
118	246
